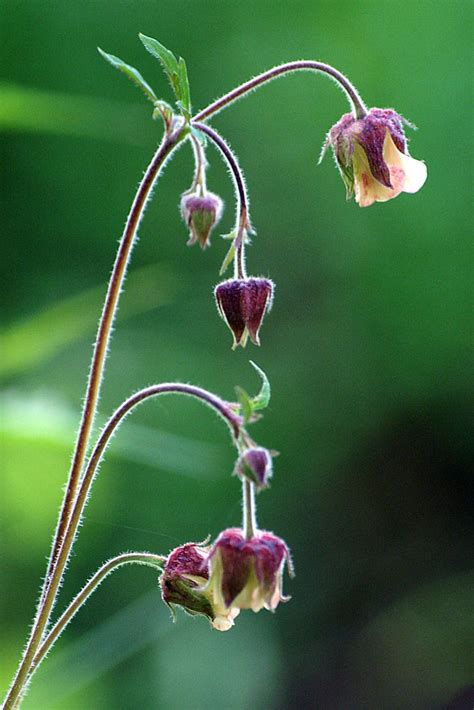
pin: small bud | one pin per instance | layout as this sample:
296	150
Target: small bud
242	303
201	213
255	465
247	574
372	156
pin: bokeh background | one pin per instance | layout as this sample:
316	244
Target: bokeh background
368	348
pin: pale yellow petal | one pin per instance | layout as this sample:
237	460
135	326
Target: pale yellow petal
405	172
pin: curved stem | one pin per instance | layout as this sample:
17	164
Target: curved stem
243	218
141	558
249	509
358	107
232	419
104	331
129	237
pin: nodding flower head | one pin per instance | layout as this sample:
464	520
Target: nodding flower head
372	156
255	464
242	303
246	574
201	213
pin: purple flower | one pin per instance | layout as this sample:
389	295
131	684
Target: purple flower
246	574
201	213
372	156
242	303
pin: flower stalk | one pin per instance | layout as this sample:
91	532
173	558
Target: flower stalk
242	302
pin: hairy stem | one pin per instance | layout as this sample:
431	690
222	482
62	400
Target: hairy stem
249	509
357	105
221	407
199	180
141	558
51	581
243	218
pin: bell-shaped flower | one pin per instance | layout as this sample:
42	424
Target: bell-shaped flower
372	156
242	303
201	213
246	573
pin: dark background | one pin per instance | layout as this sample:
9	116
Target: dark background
368	348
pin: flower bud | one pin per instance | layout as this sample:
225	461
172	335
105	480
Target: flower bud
247	574
255	465
201	213
242	303
372	156
183	583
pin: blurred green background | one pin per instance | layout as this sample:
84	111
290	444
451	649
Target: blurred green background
368	348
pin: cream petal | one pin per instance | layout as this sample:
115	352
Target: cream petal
367	189
405	171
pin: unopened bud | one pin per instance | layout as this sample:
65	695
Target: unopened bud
255	465
201	213
242	303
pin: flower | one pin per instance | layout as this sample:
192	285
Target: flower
256	465
234	574
201	213
246	574
242	303
372	156
183	582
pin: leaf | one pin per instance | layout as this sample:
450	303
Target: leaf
262	400
175	70
227	259
185	99
131	73
245	404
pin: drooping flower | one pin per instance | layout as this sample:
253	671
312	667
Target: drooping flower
242	303
246	574
372	156
255	464
201	213
183	583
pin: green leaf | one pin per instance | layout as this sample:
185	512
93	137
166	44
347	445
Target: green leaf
230	254
185	98
131	73
175	70
245	404
263	398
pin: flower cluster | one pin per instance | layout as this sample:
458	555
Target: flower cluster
372	156
234	573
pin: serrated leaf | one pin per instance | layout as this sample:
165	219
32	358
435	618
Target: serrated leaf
164	56
245	404
175	70
132	73
262	400
227	259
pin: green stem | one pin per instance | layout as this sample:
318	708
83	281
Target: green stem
249	509
141	558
